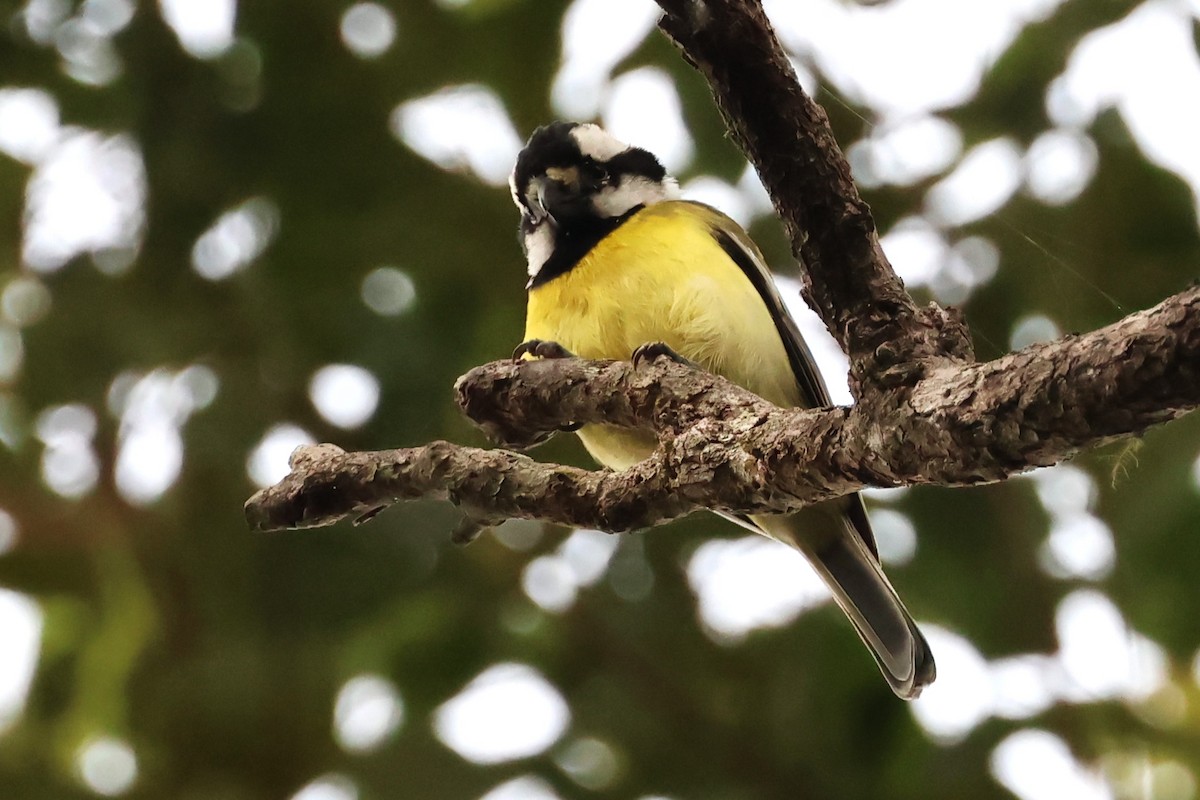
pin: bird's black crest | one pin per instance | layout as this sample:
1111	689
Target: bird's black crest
636	161
553	146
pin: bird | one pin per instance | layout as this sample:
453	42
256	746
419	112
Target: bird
618	267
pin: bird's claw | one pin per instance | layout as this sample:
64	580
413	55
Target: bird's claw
652	350
541	348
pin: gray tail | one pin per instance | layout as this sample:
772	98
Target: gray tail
829	539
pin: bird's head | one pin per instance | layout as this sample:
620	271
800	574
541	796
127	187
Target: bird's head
576	176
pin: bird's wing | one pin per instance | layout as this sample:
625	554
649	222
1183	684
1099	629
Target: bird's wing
743	252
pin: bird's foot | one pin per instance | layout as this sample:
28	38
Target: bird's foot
652	350
541	348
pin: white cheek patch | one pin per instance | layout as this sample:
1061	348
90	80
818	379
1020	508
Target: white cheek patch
539	246
614	201
596	142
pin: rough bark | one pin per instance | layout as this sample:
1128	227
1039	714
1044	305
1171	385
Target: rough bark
722	447
848	280
926	413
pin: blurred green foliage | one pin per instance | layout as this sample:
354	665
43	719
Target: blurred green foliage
217	654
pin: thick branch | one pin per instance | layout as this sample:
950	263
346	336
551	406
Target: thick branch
787	137
945	420
721	447
327	484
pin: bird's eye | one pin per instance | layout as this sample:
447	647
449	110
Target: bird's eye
596	173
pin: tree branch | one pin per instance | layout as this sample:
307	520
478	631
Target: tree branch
847	278
723	448
925	413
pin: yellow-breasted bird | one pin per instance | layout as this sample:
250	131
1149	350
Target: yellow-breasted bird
616	261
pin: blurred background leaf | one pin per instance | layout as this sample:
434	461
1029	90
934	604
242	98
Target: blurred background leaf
226	229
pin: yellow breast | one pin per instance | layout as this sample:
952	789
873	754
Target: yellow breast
662	276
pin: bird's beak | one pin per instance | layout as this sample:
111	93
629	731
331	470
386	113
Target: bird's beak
541	200
537	201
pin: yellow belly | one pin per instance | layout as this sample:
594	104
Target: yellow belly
662	277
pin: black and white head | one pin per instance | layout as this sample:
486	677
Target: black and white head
575	182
